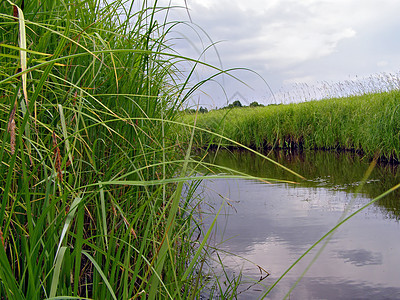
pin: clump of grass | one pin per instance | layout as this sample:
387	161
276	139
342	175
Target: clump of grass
90	198
368	124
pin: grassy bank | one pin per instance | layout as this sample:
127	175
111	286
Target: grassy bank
368	124
90	178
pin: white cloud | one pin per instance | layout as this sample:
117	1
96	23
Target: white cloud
279	33
310	38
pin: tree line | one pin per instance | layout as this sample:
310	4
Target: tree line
234	104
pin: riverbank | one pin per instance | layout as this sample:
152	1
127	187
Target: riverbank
368	124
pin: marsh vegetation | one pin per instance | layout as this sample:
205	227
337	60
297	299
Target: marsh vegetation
367	124
91	174
94	156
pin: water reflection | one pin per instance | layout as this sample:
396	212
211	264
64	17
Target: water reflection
360	257
272	225
332	170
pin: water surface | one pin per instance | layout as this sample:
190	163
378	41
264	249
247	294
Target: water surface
271	225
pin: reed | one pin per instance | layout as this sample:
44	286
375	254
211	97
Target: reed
90	176
369	124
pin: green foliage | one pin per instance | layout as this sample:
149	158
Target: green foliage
255	104
234	104
89	192
237	103
368	124
203	110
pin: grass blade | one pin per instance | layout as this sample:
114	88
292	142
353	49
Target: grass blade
57	271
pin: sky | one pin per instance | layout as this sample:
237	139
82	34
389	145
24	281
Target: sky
284	44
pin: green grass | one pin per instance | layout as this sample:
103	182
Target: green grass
92	167
91	177
368	123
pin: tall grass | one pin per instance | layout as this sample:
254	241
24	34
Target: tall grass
369	123
91	177
91	169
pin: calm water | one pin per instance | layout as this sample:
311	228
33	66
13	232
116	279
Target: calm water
271	225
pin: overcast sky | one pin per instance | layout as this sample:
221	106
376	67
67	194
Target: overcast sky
291	42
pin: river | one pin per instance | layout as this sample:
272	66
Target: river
266	227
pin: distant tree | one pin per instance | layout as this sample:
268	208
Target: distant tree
203	110
255	104
237	103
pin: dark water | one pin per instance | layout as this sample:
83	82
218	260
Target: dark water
271	225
